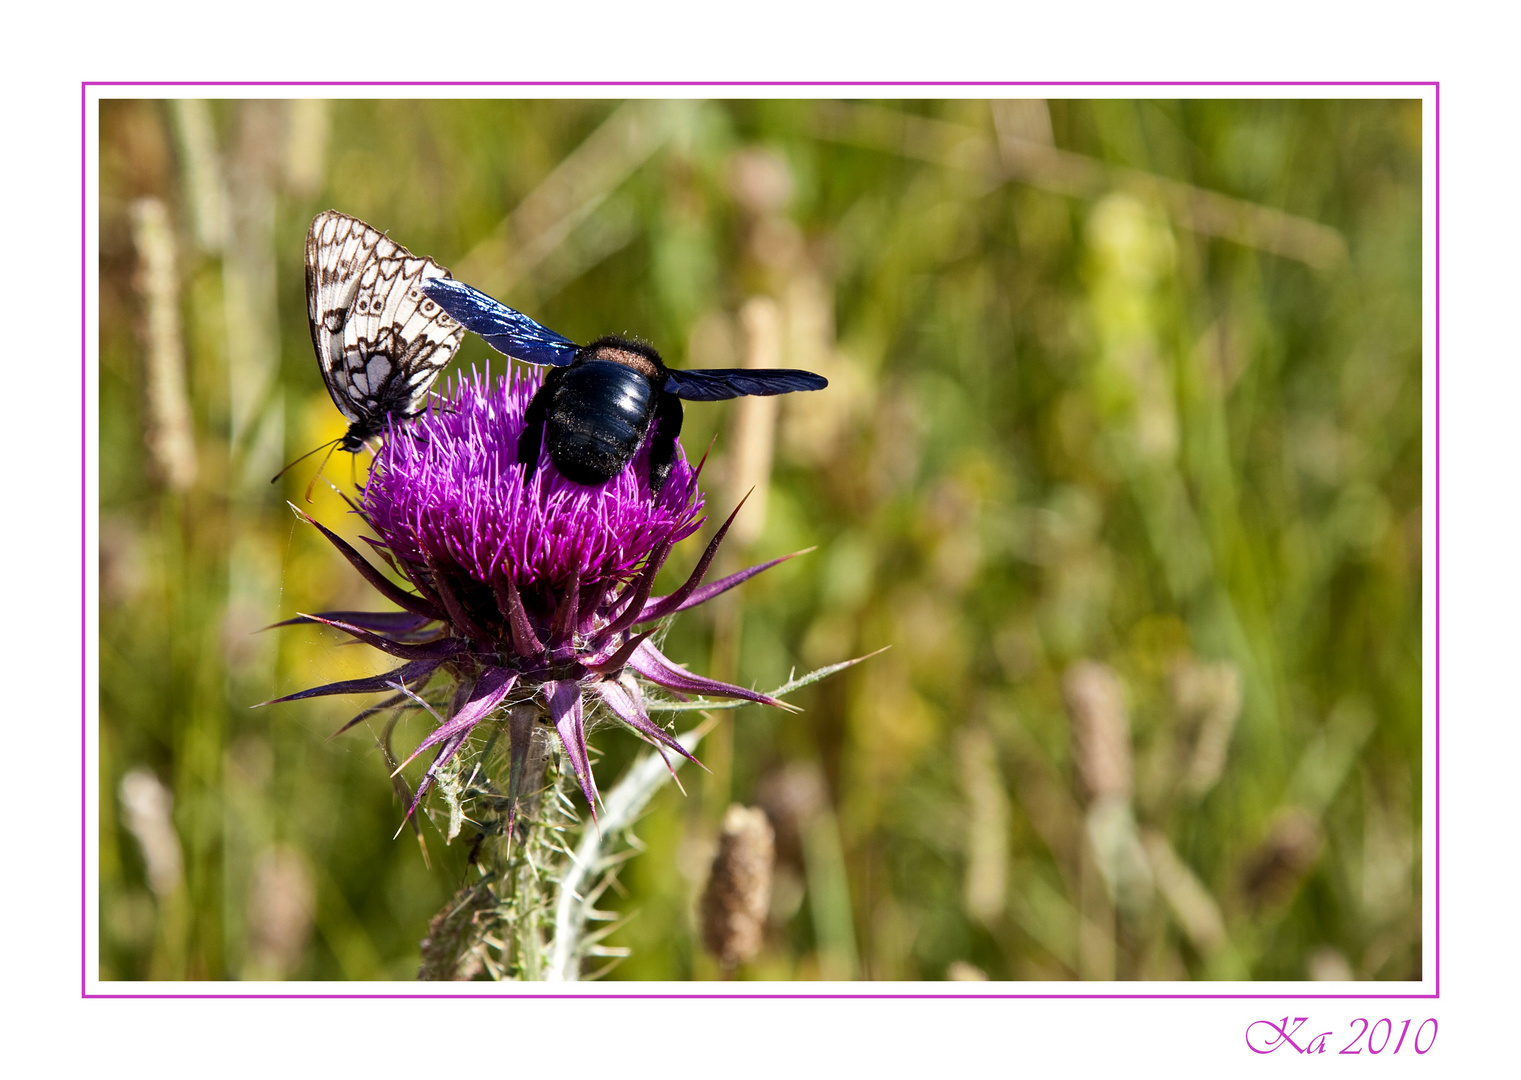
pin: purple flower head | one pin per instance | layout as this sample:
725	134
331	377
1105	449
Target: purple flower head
526	589
450	501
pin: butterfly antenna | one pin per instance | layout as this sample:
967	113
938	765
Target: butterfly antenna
331	447
303	457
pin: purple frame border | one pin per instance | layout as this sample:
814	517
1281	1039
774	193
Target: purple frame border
84	217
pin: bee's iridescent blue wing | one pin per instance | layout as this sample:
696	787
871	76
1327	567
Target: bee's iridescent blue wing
505	330
720	383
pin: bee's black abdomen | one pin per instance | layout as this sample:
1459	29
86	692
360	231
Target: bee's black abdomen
596	417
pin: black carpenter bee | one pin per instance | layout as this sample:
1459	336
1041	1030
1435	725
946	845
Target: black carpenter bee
599	404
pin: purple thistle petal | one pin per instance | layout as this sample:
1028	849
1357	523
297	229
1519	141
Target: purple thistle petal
520	739
456	610
648	662
627	705
386	622
398	596
524	640
372	684
439	649
380	549
445	752
640	593
564	699
668	604
614	663
564	623
593	599
418	580
660	607
494	685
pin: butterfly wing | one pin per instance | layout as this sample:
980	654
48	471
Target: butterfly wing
505	330
380	340
720	383
338	248
395	340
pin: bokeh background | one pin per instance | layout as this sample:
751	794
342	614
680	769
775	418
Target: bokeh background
1121	456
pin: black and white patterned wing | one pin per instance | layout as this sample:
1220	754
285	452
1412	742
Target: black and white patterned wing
395	341
338	248
380	340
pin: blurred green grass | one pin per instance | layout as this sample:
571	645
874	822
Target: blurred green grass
1136	382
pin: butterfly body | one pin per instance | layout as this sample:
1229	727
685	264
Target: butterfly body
380	339
601	402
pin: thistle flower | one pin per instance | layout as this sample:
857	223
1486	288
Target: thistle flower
525	587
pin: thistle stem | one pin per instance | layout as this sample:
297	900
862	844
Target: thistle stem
586	870
526	918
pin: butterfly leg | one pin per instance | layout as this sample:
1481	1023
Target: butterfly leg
668	416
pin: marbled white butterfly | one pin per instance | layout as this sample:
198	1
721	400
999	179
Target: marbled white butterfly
380	340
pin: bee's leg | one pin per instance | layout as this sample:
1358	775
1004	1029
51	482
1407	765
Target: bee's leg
663	443
533	421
